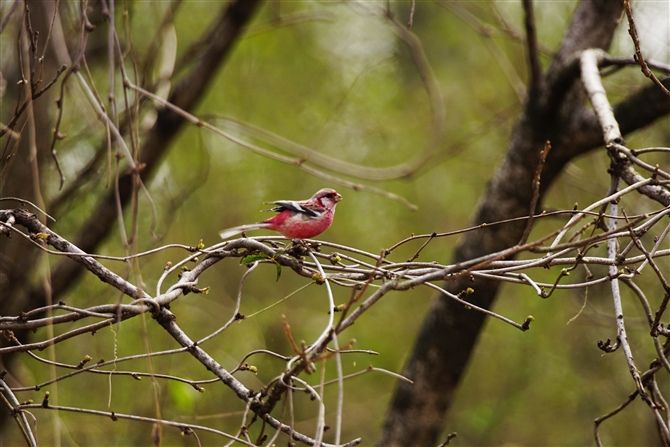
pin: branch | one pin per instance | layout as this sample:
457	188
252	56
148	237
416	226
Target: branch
42	232
166	319
225	31
632	30
11	402
589	62
449	332
533	53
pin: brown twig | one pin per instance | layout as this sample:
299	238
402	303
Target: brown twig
632	30
536	192
531	48
36	94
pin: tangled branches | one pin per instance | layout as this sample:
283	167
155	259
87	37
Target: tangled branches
370	277
610	245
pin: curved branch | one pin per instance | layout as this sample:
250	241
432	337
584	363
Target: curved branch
222	35
449	332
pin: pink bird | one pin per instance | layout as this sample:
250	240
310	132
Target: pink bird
297	219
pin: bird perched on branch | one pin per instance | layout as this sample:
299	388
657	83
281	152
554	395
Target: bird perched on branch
297	219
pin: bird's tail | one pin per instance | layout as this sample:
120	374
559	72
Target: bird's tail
230	232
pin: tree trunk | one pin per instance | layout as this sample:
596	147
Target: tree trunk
555	111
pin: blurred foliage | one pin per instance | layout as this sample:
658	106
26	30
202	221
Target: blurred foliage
342	83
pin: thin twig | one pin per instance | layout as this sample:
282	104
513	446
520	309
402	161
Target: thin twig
536	192
632	30
531	47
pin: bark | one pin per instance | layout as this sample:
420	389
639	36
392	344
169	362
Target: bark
556	113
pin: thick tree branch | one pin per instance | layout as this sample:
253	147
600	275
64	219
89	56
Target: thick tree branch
449	332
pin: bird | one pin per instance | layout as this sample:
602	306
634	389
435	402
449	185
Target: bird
302	219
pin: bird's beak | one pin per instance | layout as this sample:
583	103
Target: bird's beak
338	197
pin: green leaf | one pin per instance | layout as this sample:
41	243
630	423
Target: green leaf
253	258
278	270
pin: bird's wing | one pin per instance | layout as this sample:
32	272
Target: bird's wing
298	207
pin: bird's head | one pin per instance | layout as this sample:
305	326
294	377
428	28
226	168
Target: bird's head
327	198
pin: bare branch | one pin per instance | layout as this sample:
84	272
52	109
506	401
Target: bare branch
632	30
533	54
